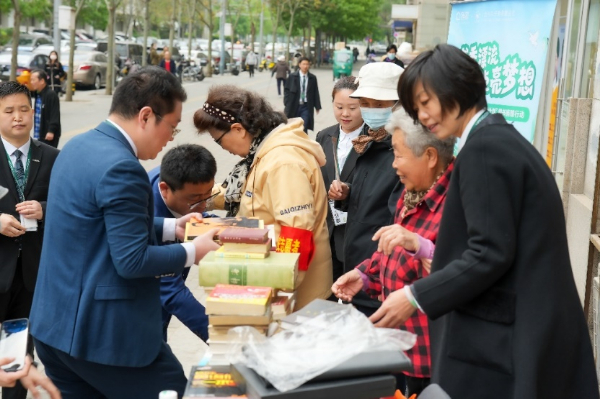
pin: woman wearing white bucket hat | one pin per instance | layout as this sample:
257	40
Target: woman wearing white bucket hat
370	197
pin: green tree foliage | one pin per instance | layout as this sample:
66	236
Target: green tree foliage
38	9
353	19
94	13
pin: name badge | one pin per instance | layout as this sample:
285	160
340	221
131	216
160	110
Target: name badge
339	217
29	224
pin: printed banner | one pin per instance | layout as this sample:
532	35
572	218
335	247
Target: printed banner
509	39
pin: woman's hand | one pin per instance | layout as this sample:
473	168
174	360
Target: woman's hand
9	379
347	285
338	191
395	235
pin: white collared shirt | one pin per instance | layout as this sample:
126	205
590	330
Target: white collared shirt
467	131
303	76
345	145
124	133
24	149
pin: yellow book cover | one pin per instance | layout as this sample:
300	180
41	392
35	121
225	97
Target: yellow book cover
195	228
221	253
238	300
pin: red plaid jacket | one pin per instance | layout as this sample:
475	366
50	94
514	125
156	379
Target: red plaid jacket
387	274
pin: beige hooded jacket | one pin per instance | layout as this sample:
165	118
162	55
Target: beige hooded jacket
285	188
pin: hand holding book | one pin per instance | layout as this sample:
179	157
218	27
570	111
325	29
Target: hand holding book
183	221
204	244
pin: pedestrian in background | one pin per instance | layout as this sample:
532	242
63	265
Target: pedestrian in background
506	317
154	57
167	63
278	180
391	56
371	195
338	138
251	61
56	72
301	95
281	72
46	126
26	166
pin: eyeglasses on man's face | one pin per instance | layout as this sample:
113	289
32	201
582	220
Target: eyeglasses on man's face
206	201
174	131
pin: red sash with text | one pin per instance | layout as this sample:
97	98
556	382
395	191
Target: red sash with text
294	240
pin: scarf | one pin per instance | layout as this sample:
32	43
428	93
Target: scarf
360	143
236	181
413	198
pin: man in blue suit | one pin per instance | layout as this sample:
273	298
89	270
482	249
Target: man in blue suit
182	184
96	314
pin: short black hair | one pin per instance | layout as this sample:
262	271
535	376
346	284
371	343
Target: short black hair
187	163
12	87
452	75
152	87
303	59
42	75
391	47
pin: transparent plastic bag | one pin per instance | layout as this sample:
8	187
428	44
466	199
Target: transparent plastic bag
292	357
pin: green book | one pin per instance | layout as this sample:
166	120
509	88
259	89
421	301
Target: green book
279	270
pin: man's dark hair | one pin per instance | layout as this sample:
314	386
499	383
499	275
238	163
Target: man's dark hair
391	47
303	59
41	74
188	163
152	87
10	88
446	71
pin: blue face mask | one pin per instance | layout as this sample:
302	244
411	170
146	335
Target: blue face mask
376	117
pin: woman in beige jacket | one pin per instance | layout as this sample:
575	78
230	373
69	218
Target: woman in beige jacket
279	180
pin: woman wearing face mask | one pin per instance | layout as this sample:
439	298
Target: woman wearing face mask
55	72
339	138
391	56
367	196
278	180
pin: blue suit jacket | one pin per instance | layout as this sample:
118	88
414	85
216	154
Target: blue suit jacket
176	298
97	296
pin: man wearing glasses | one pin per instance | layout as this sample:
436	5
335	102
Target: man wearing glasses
96	315
180	185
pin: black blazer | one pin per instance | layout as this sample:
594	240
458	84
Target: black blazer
291	97
346	174
501	296
40	166
50	121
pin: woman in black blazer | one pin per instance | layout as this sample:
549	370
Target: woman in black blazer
506	317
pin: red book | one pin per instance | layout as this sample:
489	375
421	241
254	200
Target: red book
244	236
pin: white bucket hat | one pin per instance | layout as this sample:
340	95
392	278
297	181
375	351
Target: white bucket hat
379	81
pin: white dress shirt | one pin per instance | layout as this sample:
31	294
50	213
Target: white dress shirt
169	224
303	88
345	145
24	149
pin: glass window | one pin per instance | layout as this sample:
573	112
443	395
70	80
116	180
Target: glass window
590	51
572	54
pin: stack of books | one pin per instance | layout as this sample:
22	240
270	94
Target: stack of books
212	382
244	243
229	306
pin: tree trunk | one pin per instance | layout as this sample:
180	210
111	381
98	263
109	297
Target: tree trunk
15	39
146	23
172	29
110	70
190	27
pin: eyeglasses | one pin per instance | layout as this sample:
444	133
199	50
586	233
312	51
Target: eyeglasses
207	201
174	132
218	141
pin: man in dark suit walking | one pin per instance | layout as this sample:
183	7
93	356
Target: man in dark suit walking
301	95
25	166
183	184
46	127
96	314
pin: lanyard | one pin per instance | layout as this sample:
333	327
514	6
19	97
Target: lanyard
481	117
20	189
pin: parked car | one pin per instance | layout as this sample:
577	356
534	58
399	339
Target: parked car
126	50
28	42
26	61
89	68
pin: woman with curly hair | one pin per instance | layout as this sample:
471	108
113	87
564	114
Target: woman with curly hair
278	180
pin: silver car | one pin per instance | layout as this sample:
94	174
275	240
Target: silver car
89	68
26	61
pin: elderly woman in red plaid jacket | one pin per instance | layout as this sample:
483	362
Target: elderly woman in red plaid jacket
424	164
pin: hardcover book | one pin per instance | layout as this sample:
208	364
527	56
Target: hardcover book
218	320
195	228
254	248
279	270
244	236
222	253
212	382
238	300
